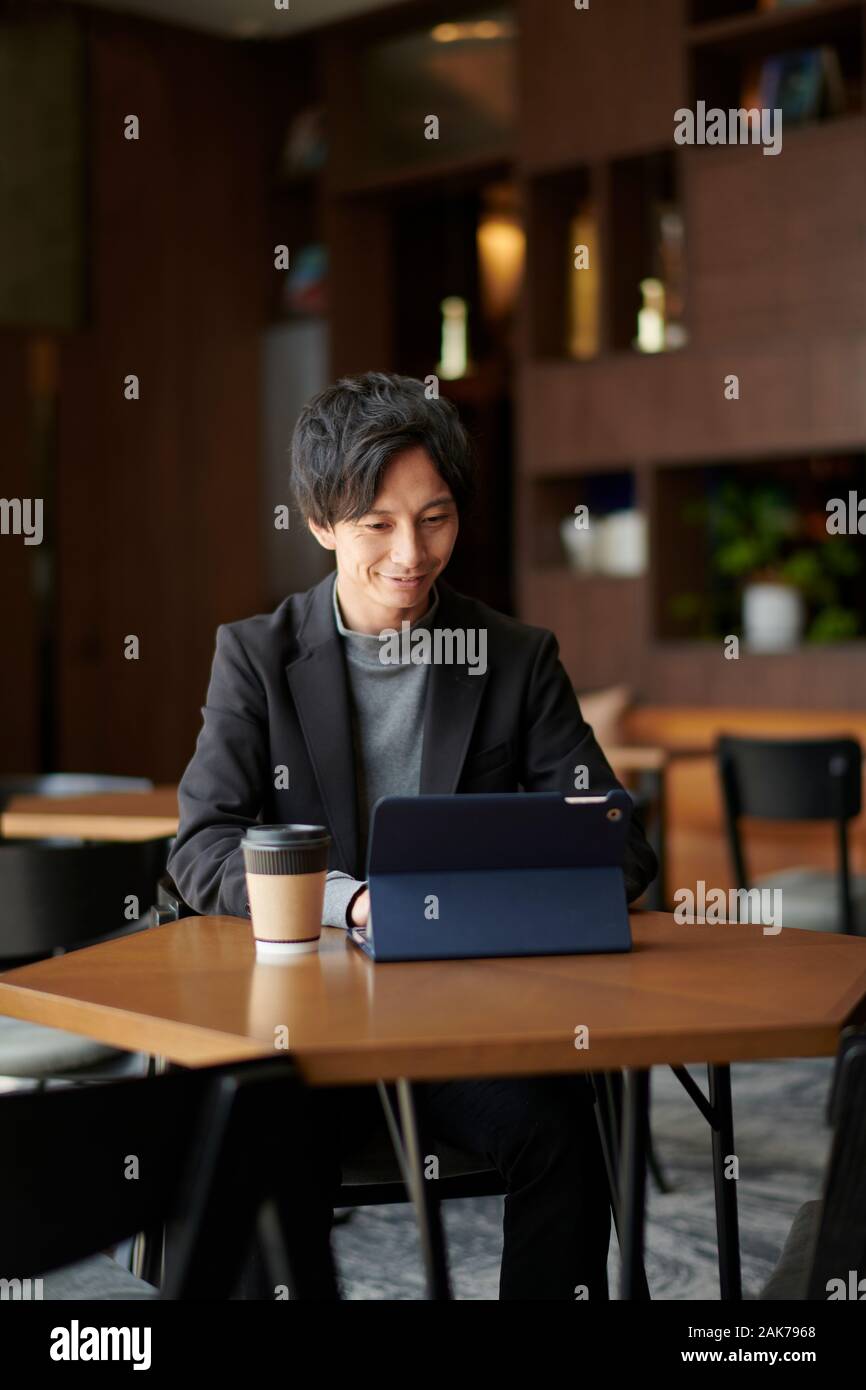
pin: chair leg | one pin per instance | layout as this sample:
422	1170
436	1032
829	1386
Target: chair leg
632	1185
149	1256
607	1136
615	1093
655	1167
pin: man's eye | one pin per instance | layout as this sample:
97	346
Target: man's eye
380	525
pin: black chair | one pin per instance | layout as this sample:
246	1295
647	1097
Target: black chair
57	896
205	1168
827	1240
376	1175
798	780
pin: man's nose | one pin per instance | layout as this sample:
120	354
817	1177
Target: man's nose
407	550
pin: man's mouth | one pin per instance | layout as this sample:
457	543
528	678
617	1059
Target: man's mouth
409	583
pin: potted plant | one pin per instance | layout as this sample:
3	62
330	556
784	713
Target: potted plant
788	568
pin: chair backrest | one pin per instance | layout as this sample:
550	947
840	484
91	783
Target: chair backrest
790	780
840	1248
68	784
83	1168
56	895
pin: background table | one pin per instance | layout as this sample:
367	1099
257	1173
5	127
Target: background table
152	814
97	816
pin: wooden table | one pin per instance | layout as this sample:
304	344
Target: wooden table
96	816
192	992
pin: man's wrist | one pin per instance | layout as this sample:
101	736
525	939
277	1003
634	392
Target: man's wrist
350	904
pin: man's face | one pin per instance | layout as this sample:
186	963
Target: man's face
388	559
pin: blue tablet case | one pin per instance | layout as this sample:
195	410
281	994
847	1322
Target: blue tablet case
513	874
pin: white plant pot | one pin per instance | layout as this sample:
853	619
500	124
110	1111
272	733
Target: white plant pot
579	545
773	617
621	547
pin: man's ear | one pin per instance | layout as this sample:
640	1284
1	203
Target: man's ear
323	534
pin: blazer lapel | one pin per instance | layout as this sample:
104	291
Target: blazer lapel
320	688
451	707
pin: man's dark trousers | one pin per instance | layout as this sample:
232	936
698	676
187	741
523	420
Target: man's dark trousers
540	1133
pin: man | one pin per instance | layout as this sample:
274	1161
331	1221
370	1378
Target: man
305	722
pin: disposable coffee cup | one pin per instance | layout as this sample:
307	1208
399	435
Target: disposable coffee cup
286	867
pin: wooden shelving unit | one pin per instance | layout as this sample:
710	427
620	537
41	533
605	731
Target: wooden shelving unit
775	291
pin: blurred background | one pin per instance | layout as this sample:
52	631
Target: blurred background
584	288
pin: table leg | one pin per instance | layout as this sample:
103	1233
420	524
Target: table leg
632	1183
408	1148
727	1225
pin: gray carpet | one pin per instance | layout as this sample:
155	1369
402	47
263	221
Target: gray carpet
782	1143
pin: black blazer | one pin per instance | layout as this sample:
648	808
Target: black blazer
279	696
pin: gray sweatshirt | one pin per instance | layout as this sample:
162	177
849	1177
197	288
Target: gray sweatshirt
387	734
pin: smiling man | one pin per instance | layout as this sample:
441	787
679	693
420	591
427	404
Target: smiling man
305	721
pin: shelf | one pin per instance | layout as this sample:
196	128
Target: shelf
552	500
566	303
695	509
474	168
627	215
727	58
760	31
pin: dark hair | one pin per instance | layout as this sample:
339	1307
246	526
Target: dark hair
347	434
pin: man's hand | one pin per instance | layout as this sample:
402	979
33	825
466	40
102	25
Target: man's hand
361	908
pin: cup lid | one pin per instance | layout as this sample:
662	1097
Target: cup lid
286	836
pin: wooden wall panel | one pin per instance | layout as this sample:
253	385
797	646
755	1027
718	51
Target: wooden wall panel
598	82
827	676
789	257
795	396
600	624
360	284
158	499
